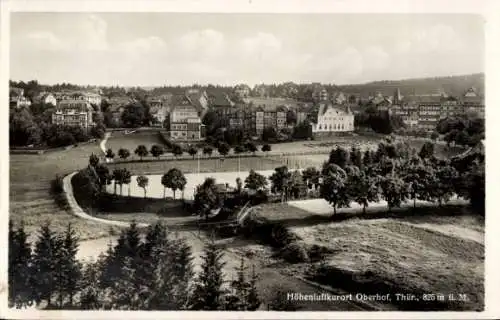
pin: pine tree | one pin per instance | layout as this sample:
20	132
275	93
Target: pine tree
19	270
183	272
252	298
72	268
123	293
45	261
208	291
90	295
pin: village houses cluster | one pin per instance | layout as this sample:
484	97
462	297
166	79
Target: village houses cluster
326	113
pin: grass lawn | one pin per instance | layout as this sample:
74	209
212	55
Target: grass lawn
30	200
206	165
403	254
120	140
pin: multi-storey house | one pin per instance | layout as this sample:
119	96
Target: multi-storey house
184	119
73	113
329	119
17	98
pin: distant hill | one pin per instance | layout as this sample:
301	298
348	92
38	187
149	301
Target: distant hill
452	85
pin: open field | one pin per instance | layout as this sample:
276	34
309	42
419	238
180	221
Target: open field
130	141
30	200
403	254
155	188
245	164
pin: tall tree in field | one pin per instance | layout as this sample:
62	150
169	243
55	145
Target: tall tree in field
443	184
207	197
45	262
333	188
266	148
427	150
208	290
419	177
126	179
93	160
192	151
339	156
311	177
255	181
123	153
177	150
251	147
104	176
223	149
19	268
280	181
174	179
110	154
364	188
142	181
239	185
156	151
117	178
394	191
141	151
208	151
294	184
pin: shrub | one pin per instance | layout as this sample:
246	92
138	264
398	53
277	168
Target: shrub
294	252
318	253
56	185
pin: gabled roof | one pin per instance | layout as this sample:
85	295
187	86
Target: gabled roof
75	103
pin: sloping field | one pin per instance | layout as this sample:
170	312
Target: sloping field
30	200
403	255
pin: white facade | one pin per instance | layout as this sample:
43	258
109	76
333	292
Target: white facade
333	119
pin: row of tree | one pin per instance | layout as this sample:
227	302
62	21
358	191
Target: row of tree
154	272
394	173
463	131
177	150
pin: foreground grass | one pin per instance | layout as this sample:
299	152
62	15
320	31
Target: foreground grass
30	198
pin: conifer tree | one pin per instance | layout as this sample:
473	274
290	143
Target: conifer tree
19	269
72	268
45	259
208	291
252	297
90	295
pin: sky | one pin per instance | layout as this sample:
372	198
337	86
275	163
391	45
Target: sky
155	49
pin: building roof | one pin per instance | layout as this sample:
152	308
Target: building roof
320	109
75	103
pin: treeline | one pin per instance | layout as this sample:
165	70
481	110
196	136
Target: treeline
379	121
150	272
397	173
464	131
26	129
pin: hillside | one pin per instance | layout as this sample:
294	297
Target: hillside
453	85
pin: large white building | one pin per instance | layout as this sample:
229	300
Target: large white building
329	119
